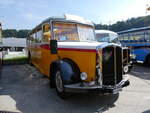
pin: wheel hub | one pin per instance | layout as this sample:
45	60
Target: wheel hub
59	83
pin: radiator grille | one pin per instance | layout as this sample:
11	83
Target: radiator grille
112	65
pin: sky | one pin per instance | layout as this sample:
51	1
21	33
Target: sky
26	14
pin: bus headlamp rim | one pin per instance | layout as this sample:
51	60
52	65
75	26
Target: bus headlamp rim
83	76
133	56
126	69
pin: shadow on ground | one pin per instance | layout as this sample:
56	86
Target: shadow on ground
148	111
31	92
141	71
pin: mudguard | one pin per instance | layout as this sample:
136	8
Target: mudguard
70	72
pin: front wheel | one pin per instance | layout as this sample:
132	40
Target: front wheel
59	85
148	60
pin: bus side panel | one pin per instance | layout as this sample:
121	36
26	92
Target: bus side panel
46	60
141	53
83	59
32	50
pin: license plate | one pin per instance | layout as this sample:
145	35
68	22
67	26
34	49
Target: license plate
117	89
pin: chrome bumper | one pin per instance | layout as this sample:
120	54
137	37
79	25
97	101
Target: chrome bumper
100	89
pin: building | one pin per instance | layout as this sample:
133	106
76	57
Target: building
133	30
14	44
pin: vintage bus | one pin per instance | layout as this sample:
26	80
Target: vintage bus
64	49
110	37
138	39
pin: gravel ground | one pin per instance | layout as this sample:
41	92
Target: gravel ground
24	89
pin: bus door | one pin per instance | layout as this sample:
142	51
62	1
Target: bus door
38	48
45	48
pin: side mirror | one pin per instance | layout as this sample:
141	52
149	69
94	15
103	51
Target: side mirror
53	46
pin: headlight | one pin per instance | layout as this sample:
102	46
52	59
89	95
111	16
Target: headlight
133	56
126	69
83	76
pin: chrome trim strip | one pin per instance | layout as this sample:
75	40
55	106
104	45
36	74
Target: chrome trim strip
52	32
79	86
99	69
100	78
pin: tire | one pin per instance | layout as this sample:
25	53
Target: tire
59	85
148	60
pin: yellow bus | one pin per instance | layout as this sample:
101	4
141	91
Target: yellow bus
65	50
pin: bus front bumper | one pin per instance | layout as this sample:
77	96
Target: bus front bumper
98	89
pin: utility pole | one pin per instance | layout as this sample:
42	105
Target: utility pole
146	13
0	33
147	7
147	10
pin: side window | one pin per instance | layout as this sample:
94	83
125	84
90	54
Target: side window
139	37
46	33
120	38
34	37
147	36
126	38
39	35
131	37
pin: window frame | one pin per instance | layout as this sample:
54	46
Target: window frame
50	25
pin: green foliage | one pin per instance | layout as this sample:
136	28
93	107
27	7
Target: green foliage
100	26
15	33
22	33
9	33
125	25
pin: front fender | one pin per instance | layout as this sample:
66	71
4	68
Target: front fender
69	72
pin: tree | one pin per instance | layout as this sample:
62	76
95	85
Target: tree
15	33
22	33
9	33
128	24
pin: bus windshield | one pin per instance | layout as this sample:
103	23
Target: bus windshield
73	32
105	36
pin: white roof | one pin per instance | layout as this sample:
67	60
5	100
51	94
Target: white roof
69	18
78	19
85	45
105	31
14	42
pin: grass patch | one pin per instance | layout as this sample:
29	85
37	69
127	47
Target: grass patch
16	60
